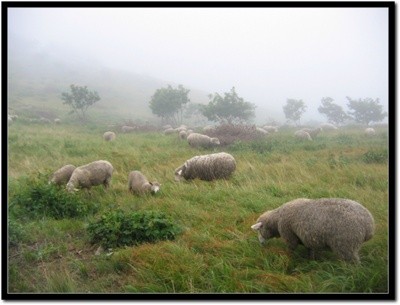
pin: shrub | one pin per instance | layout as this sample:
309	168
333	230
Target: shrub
118	228
38	199
16	232
375	156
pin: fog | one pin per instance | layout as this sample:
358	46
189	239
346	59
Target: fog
267	54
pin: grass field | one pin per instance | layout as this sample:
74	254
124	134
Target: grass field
216	251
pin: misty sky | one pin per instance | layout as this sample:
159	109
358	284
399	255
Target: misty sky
268	54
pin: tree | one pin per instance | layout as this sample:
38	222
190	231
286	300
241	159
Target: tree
294	109
80	99
333	112
231	108
366	110
168	103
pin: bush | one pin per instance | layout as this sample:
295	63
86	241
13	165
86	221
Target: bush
375	156
16	232
117	228
38	199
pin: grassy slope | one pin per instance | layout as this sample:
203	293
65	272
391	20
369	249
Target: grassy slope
217	252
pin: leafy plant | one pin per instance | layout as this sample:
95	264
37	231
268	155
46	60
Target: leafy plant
117	228
40	199
375	156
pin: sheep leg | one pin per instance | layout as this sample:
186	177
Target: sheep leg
348	254
106	183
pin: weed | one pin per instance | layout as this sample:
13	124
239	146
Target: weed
117	228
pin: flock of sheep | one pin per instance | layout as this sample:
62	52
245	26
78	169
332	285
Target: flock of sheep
341	225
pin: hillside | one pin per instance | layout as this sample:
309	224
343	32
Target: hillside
36	79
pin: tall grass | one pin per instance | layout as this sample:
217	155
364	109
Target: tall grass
216	252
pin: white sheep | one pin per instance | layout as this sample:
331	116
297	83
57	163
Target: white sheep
138	184
126	129
270	128
328	126
109	136
303	135
369	131
262	131
207	167
313	132
57	121
183	134
339	224
92	174
62	175
169	131
200	140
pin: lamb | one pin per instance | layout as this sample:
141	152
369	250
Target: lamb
138	184
369	131
92	174
62	175
339	224
109	136
304	135
207	167
200	140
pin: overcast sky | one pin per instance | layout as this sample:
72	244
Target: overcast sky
268	54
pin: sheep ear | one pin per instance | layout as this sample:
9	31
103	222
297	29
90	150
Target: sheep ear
179	173
257	226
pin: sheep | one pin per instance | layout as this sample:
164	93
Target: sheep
44	120
328	126
208	128
169	131
301	134
92	174
339	224
369	131
126	129
270	128
57	121
313	132
62	175
262	131
138	184
200	140
183	135
109	136
207	167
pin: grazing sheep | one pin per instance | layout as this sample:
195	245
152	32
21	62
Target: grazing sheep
92	174
262	131
166	126
10	120
208	128
200	140
62	175
44	120
339	224
126	129
369	131
313	132
138	184
183	135
270	128
207	167
109	136
328	126
169	131
57	121
304	135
